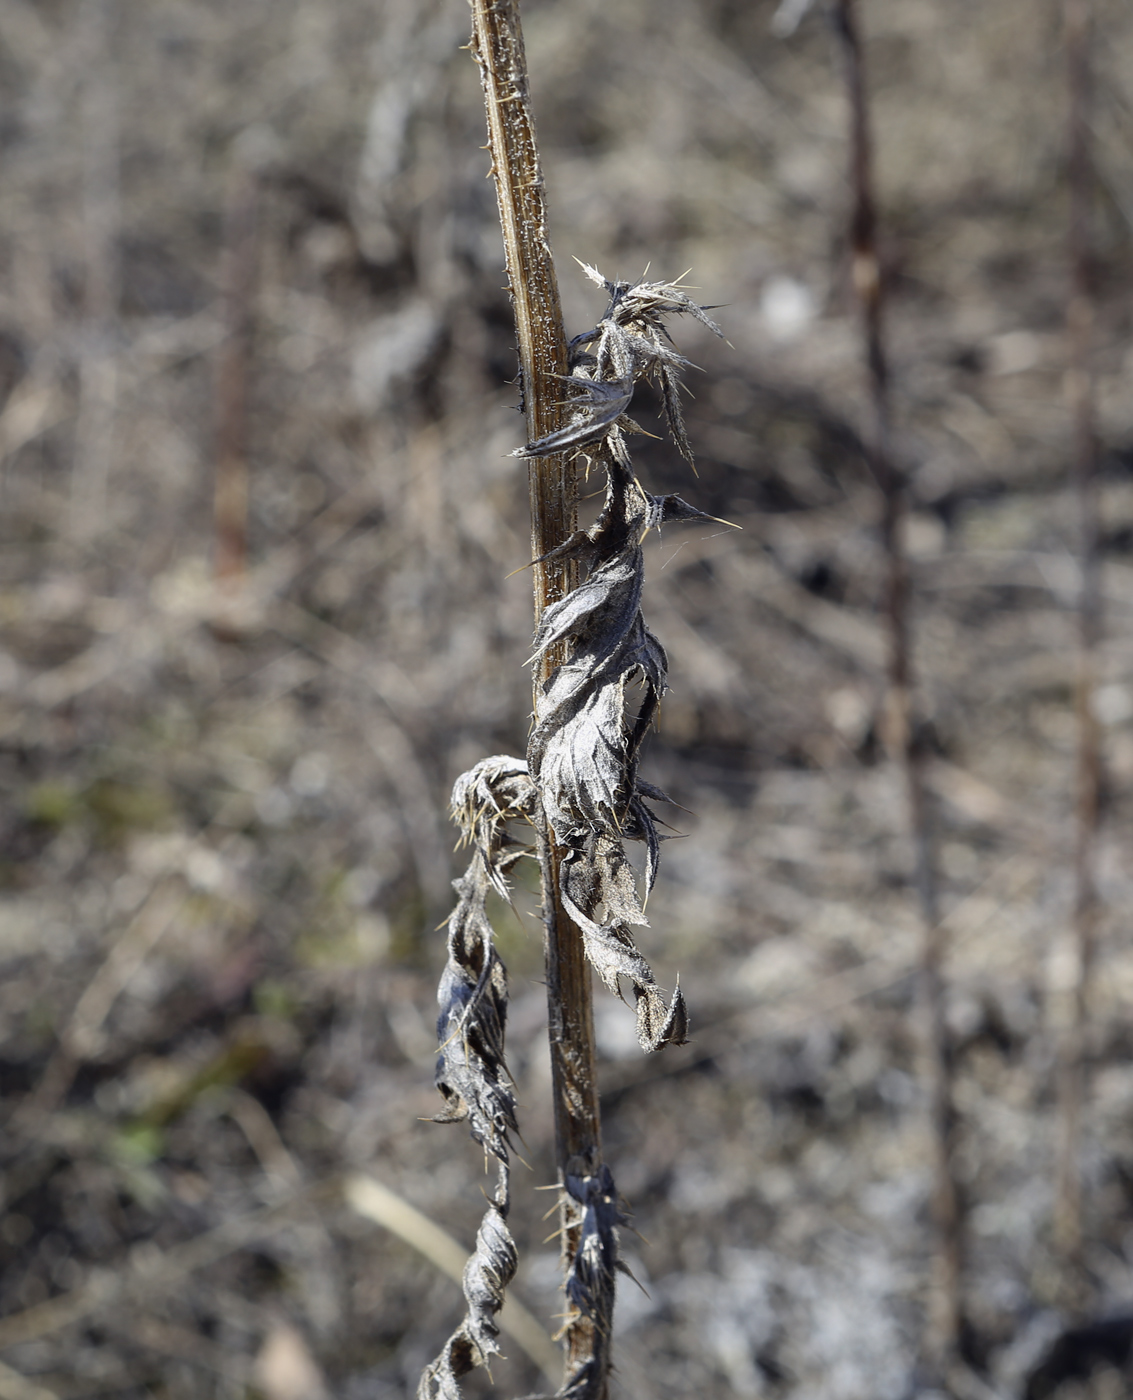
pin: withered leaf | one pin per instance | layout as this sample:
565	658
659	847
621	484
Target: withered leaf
471	1072
628	344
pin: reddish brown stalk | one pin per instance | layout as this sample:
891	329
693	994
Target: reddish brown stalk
902	731
101	199
497	45
1072	1079
241	257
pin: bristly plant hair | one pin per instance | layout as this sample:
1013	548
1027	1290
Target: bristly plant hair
599	675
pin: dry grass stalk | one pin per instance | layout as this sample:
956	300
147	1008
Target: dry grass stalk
375	1201
1072	1079
945	1317
579	787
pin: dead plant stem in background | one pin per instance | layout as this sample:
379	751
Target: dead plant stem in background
102	274
241	257
1072	1079
903	735
498	47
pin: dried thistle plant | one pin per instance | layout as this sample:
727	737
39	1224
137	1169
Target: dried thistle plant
600	675
581	779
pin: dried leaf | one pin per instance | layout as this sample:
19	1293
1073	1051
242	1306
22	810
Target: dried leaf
628	344
472	1074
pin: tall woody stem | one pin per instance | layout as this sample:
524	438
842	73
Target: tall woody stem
1072	1086
902	729
497	44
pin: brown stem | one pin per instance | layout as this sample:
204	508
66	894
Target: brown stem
497	44
901	720
230	502
1072	1085
101	217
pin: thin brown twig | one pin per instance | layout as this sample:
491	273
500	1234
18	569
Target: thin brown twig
234	370
1073	1066
944	1322
101	202
375	1201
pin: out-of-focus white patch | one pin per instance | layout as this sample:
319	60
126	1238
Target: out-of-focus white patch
1014	352
850	712
186	590
964	1014
786	306
310	774
21	926
285	1368
925	535
205	869
371	933
327	246
842	1306
776	967
1063	965
9	673
789	16
637	1300
1112	704
615	1030
273	807
897	1199
392	351
362	884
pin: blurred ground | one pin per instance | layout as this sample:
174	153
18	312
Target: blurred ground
224	847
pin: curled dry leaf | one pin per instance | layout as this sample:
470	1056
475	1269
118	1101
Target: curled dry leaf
471	1072
584	750
630	343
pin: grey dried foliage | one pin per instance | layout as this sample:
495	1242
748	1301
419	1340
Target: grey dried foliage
630	343
582	772
584	750
471	1073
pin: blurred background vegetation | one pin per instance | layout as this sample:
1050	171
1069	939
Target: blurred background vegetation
224	846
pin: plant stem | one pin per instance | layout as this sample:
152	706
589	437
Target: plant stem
497	44
101	220
230	500
1077	23
945	1310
